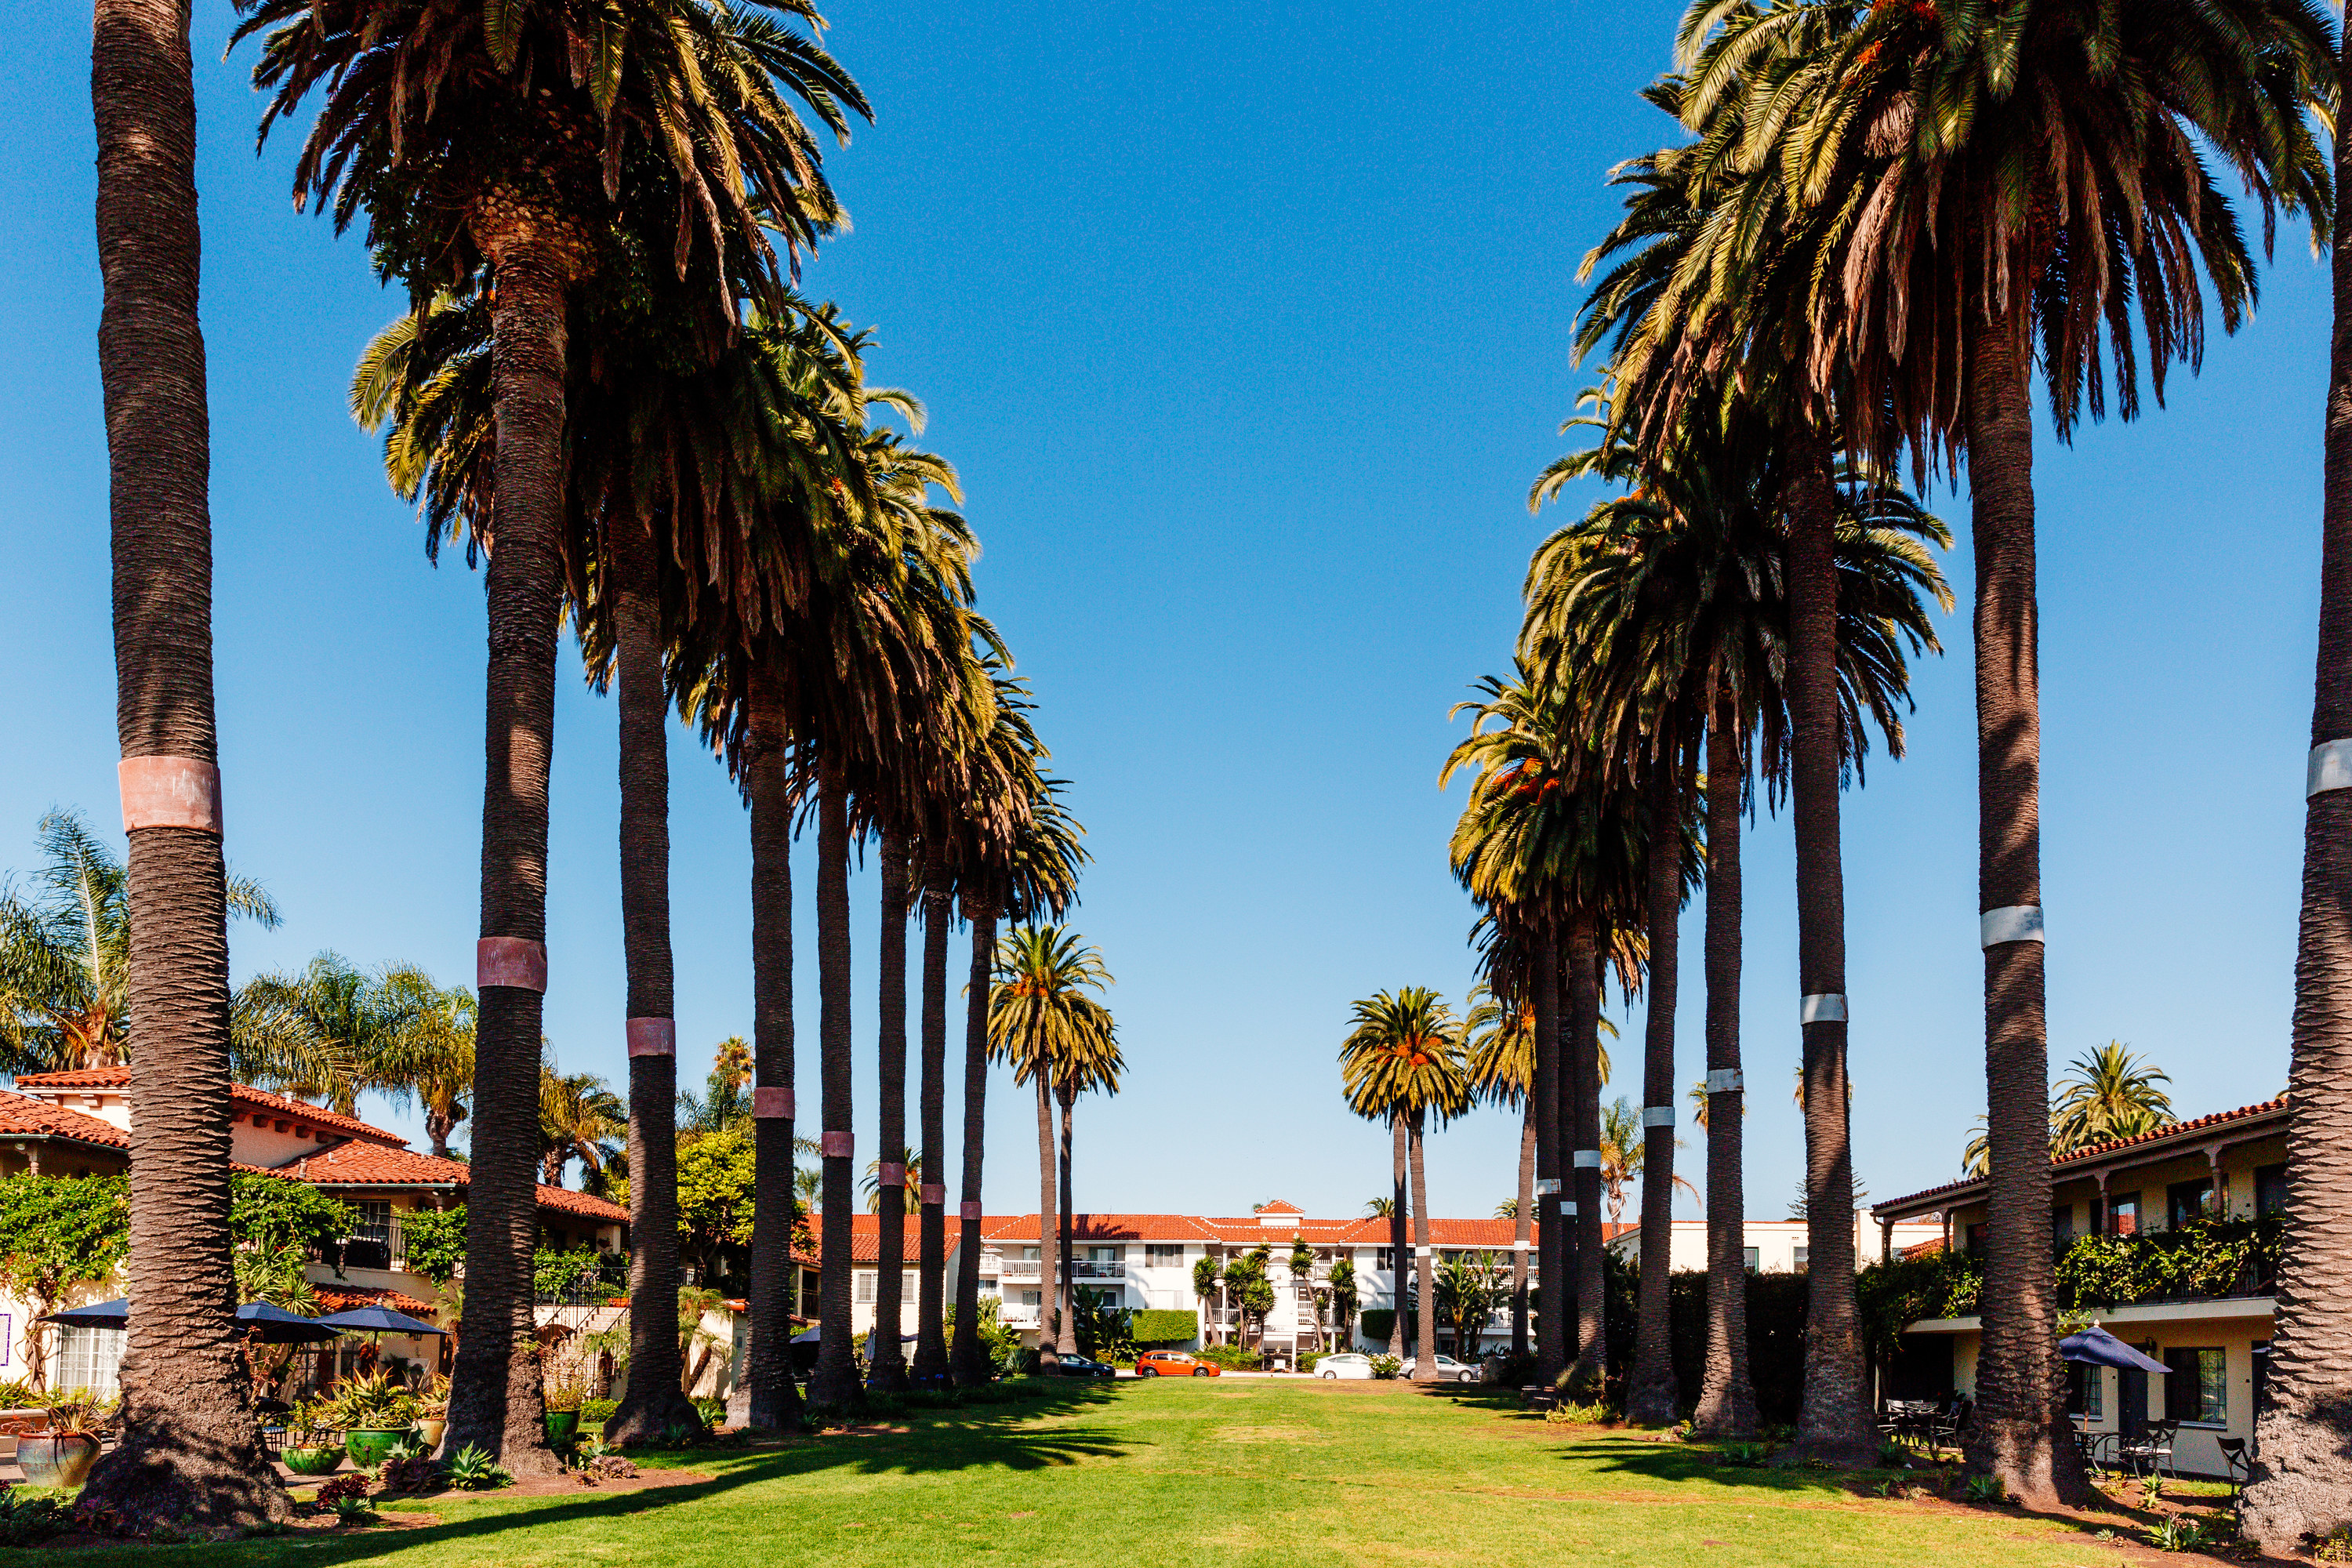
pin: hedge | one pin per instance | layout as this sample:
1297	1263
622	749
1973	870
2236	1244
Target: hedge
1162	1326
1373	1323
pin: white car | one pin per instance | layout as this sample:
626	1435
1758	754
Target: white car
1448	1370
1347	1364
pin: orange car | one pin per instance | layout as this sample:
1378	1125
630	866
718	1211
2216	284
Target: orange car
1173	1363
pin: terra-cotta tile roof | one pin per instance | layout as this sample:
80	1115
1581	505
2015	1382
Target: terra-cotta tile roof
2181	1131
244	1096
375	1165
28	1117
344	1297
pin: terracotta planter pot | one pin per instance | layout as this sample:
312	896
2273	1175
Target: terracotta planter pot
57	1458
429	1429
313	1461
562	1425
369	1445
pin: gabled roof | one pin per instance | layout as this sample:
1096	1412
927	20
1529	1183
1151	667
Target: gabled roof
1280	1206
24	1117
246	1099
375	1165
2245	1120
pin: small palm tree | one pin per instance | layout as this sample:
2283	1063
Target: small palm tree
911	1190
2106	1094
579	1118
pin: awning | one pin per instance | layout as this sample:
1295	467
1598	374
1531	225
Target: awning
2096	1347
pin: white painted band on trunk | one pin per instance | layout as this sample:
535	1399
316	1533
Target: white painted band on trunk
653	1037
512	961
1822	1008
1567	1208
968	1211
1547	1185
2018	923
2330	767
893	1174
1726	1080
934	1193
169	791
838	1145
772	1103
1657	1116
1588	1159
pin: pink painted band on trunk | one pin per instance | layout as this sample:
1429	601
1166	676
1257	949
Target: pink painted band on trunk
169	791
893	1175
934	1193
772	1102
653	1037
510	961
969	1210
838	1145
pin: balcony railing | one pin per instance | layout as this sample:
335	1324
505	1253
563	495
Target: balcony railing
1018	1268
1015	1315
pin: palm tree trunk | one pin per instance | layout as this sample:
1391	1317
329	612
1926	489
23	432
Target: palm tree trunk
1581	1137
1066	1339
767	1397
1425	1318
931	1343
2302	1486
495	1399
1651	1397
834	1383
1049	1251
2019	1433
1399	1165
651	1400
886	1360
189	1447
1553	1286
1521	1226
1832	1422
971	1357
1727	1400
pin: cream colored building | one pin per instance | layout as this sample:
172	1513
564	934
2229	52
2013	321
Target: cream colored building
1770	1246
2234	1164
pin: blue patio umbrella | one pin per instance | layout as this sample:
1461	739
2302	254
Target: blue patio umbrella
2097	1347
278	1326
379	1321
114	1314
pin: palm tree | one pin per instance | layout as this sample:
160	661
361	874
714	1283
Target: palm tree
1043	1021
334	1030
189	1450
1500	1043
886	1358
2107	1093
436	1071
579	1118
876	1187
1403	1061
426	105
1962	239
65	952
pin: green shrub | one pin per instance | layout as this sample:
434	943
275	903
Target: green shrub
596	1412
1233	1358
1307	1362
1163	1326
29	1521
1387	1366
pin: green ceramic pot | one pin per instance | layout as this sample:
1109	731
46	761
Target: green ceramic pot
562	1425
370	1446
57	1458
313	1461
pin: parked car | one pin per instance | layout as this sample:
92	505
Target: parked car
1448	1370
1174	1363
1347	1364
1079	1366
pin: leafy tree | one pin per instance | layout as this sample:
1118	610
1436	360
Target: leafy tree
57	1233
274	1212
435	1240
717	1172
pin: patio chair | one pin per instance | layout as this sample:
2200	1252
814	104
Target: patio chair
2241	1463
2153	1452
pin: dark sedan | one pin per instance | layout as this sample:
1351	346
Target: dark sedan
1079	1366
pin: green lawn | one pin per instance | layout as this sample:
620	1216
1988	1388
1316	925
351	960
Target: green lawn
1188	1472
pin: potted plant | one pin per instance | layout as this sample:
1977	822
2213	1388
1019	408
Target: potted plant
376	1412
61	1453
433	1414
563	1393
310	1447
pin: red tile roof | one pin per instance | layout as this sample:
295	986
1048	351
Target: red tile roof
2182	1131
373	1165
244	1096
26	1117
1021	1229
344	1298
1280	1206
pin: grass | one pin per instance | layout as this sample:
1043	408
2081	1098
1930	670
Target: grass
1186	1472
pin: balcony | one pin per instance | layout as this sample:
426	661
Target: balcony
1017	1315
1025	1269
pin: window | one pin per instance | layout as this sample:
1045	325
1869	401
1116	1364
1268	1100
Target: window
1797	1259
2095	1392
1385	1258
2187	1201
88	1358
1972	1240
374	1219
2062	1228
910	1283
866	1285
2270	1189
1105	1255
1029	1253
2198	1388
2122	1215
1751	1259
1164	1257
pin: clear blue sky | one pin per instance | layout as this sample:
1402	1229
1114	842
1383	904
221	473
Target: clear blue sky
1247	327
